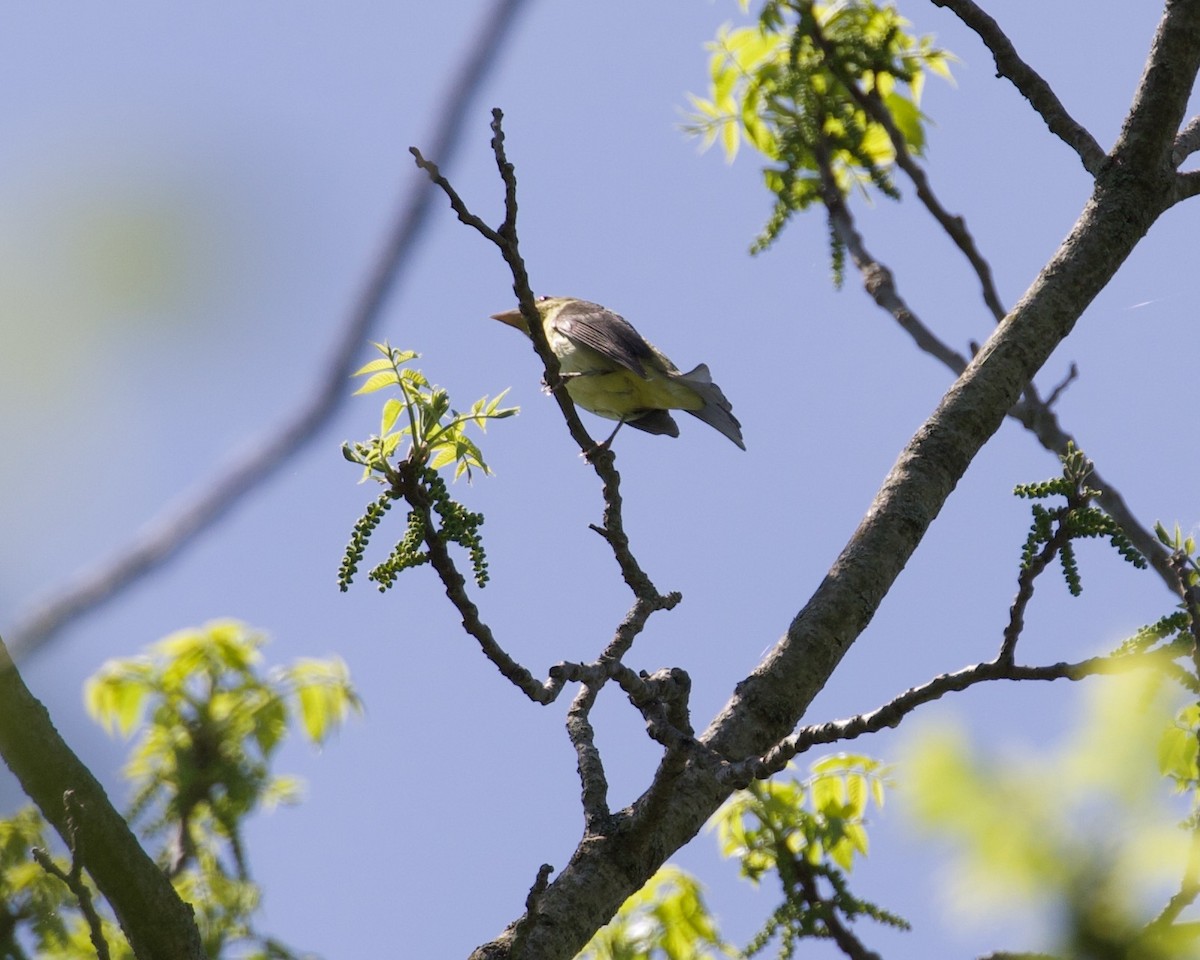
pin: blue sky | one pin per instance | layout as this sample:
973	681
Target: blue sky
190	197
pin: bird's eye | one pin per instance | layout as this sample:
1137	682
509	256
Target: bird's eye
543	297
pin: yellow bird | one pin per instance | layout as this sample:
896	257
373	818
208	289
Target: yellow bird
612	371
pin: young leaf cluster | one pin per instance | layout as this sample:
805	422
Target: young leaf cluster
1178	753
1053	530
1173	629
422	416
202	764
802	831
420	433
1183	548
211	720
818	818
37	907
791	86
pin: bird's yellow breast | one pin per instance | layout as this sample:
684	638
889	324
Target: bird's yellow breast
620	395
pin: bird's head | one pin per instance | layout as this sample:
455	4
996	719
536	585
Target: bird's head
545	307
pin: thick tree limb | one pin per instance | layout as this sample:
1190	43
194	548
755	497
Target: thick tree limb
1130	193
1028	82
164	537
158	925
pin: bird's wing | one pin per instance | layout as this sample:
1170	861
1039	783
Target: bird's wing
608	334
656	421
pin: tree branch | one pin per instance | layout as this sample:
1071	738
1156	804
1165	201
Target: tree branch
1025	586
602	459
74	878
1148	134
1185	896
839	933
405	481
892	713
168	534
1187	185
954	226
1187	143
158	925
1028	83
1036	415
766	706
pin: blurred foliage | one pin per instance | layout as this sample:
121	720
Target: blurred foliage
1085	835
666	920
806	833
806	87
208	720
436	437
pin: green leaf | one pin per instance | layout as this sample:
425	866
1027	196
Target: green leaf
375	366
907	118
392	408
324	694
115	698
377	382
1177	755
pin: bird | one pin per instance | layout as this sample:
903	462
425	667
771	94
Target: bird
612	371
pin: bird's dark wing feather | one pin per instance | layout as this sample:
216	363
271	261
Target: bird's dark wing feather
608	334
656	421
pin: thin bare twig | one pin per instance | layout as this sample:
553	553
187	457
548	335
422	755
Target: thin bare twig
74	879
1025	585
806	877
955	226
1036	415
662	700
405	482
1189	885
75	884
523	926
1061	387
601	459
892	713
1029	83
167	535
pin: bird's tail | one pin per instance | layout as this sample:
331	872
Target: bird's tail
717	411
